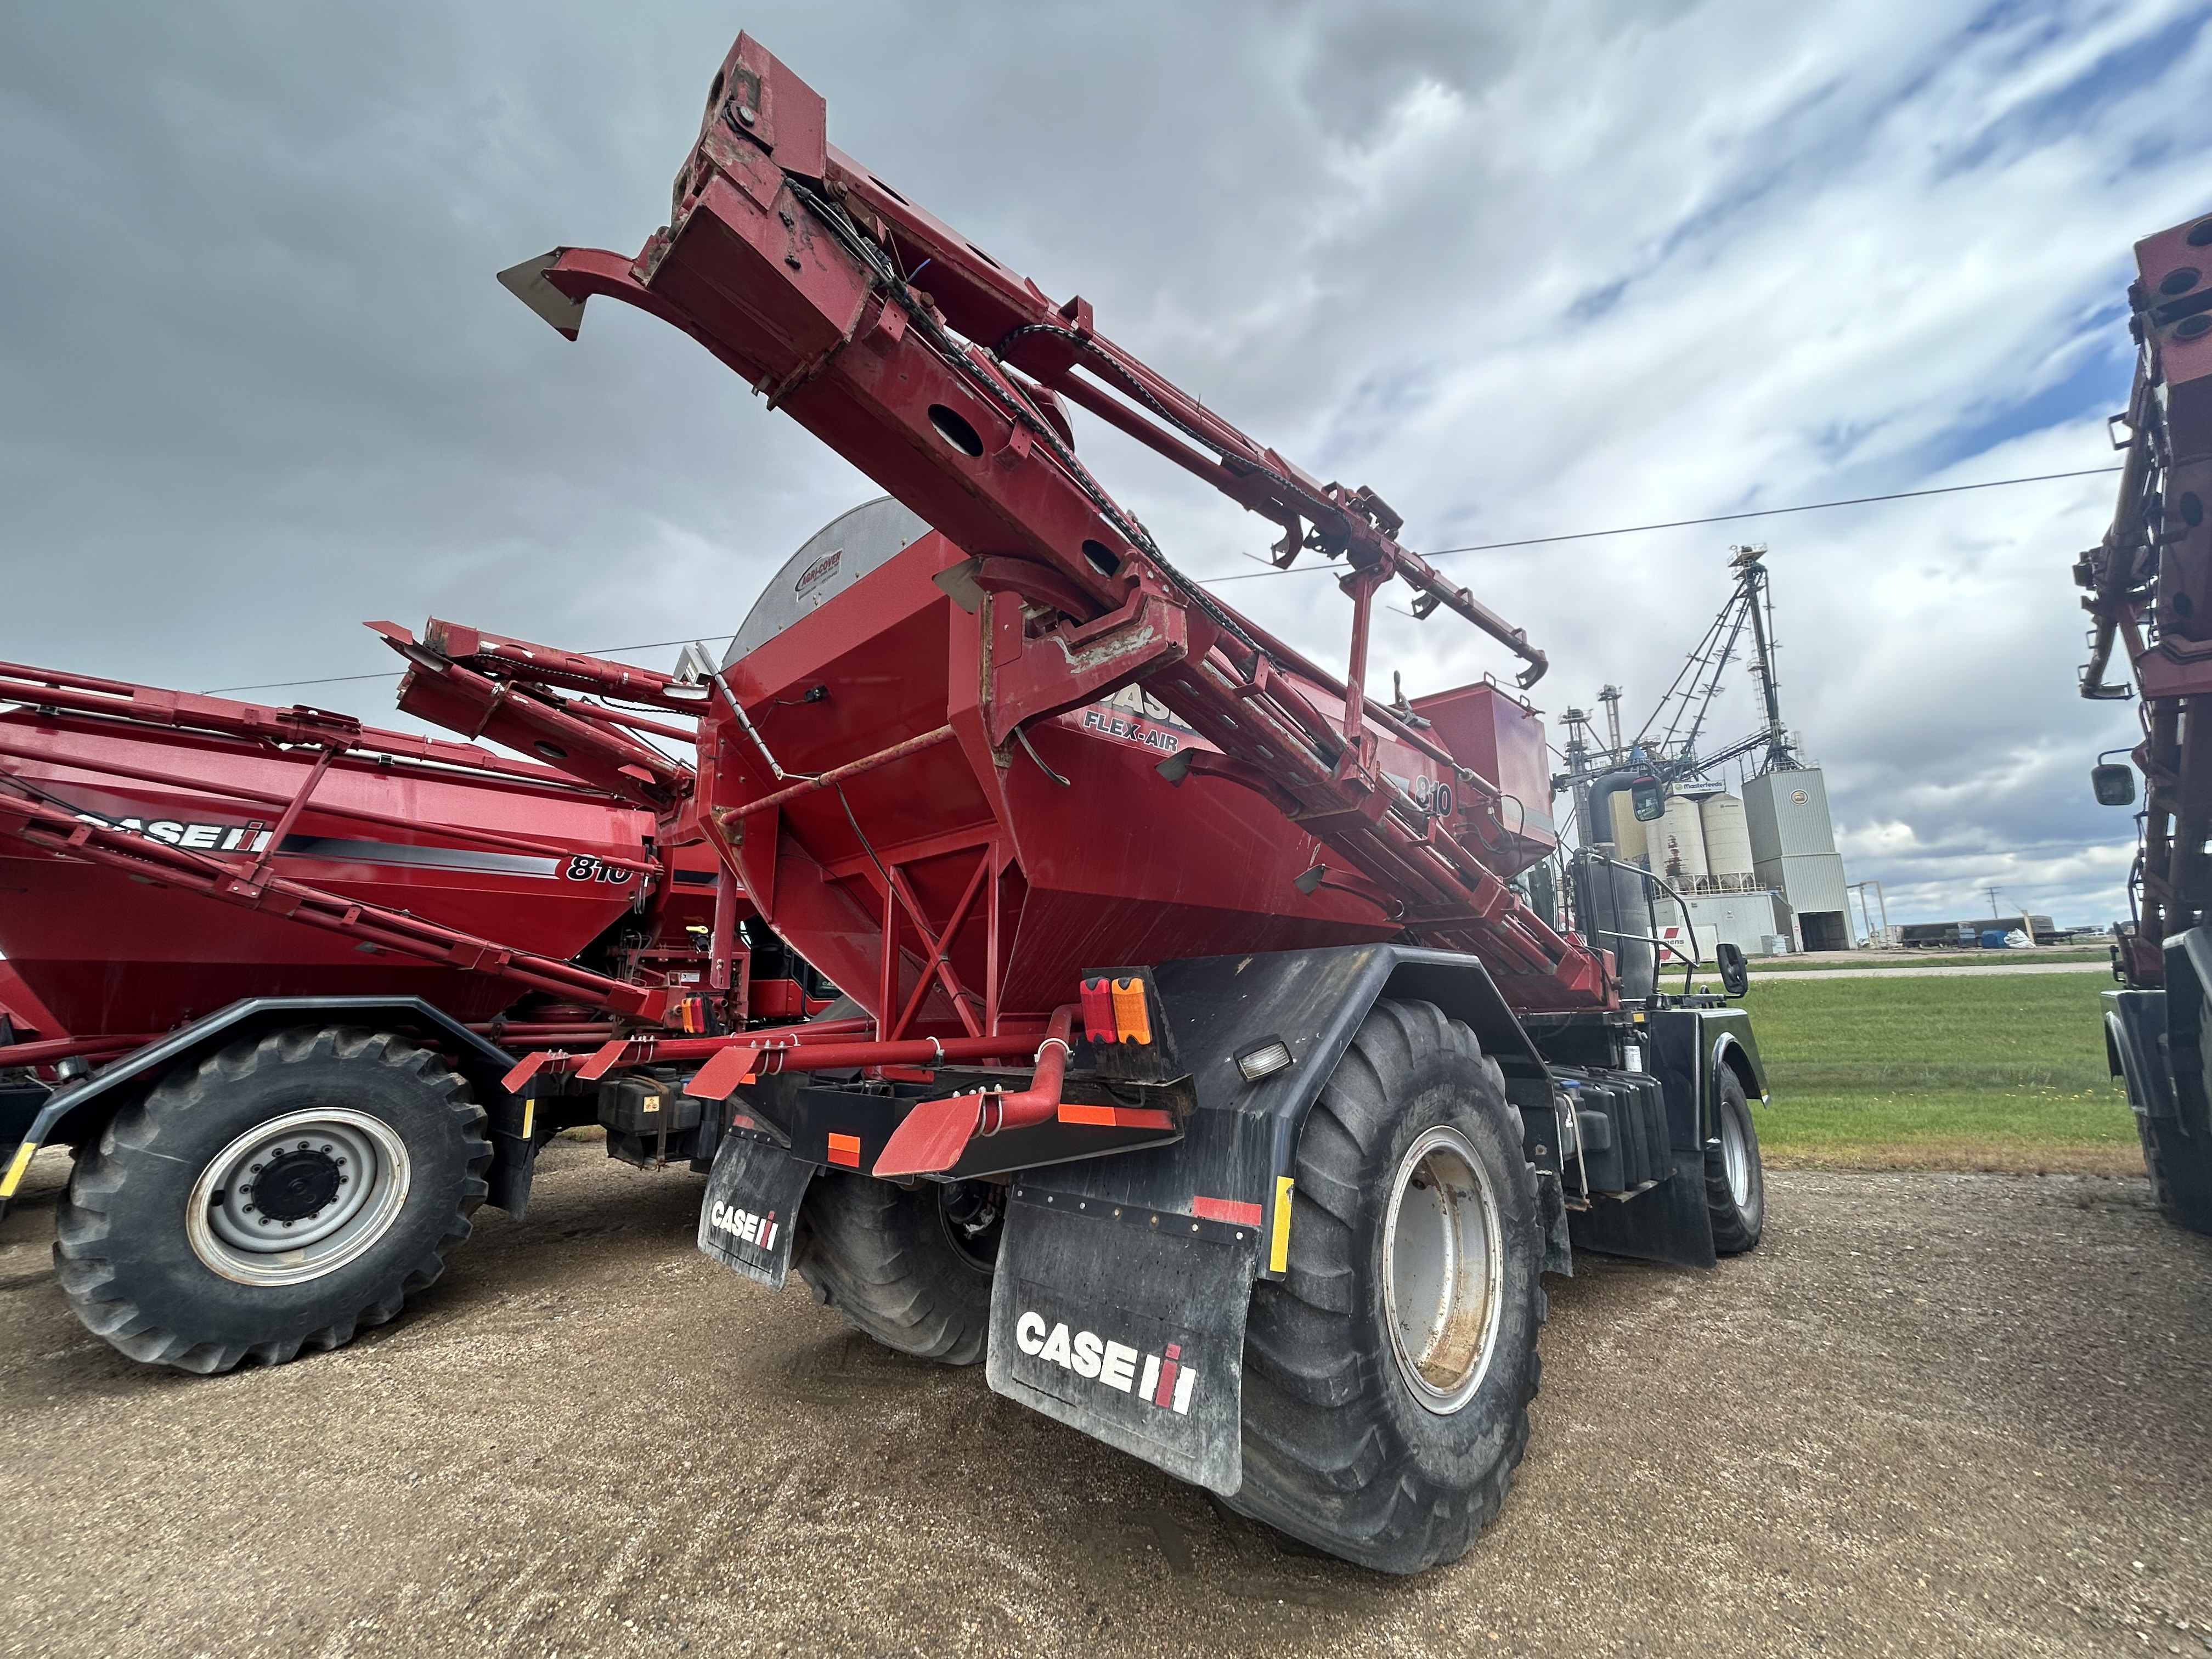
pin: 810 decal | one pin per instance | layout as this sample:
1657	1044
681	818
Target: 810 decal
583	868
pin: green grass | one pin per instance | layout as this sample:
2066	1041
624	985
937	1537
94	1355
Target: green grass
1930	959
1993	1072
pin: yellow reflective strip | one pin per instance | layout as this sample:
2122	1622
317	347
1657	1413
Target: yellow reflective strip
15	1167
1278	1248
529	1111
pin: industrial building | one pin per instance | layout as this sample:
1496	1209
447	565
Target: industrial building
1758	870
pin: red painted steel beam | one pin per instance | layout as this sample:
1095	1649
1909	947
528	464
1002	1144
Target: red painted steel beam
813	1048
837	774
444	692
156	706
504	656
58	1048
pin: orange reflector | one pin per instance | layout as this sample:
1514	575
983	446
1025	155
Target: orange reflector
1134	1024
845	1149
1117	1117
1226	1209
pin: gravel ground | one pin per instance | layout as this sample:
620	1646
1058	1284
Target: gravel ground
1935	1414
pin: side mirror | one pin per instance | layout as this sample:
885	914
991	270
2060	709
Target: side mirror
1649	801
2114	785
1735	977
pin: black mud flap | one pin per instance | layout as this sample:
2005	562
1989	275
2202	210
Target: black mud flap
752	1200
1558	1241
510	1120
1128	1325
1669	1222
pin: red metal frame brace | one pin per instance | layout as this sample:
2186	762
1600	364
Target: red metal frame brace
58	1048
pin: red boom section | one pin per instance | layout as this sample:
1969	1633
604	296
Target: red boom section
165	854
2150	587
801	270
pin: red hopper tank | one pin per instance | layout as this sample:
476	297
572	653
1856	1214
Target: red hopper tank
1002	873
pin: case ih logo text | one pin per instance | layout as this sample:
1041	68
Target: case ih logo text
200	837
1164	1380
758	1231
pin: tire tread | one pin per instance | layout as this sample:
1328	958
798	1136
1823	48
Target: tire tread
86	1217
1306	1431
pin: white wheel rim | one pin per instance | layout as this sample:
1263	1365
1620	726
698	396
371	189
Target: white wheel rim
297	1197
1735	1153
1442	1265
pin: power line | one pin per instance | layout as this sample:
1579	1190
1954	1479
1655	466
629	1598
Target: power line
1479	547
272	685
1717	518
394	674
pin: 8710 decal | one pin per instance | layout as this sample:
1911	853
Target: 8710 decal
583	868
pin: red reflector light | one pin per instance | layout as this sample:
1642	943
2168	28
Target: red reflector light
845	1149
1099	1012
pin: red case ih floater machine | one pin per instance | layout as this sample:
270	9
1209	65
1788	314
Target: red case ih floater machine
2149	585
1217	1086
269	958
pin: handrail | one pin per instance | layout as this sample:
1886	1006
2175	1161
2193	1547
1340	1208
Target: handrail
1652	877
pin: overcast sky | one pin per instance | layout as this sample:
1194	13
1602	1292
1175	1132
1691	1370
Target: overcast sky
1525	270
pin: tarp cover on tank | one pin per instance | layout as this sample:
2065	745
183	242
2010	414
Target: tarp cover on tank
835	556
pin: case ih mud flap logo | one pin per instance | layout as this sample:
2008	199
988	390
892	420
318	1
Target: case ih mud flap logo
757	1230
753	1193
1164	1380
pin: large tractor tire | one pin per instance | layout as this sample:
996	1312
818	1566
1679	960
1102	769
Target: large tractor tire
1387	1379
276	1197
2179	1165
909	1266
1736	1181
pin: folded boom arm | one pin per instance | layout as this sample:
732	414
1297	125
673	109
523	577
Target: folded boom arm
937	372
